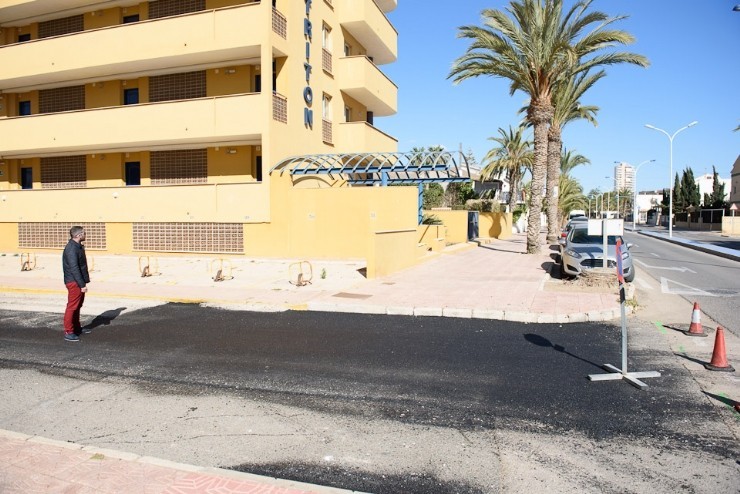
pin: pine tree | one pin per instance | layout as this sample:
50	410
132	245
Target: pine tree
679	204
717	199
689	189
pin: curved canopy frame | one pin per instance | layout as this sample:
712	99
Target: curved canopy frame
380	168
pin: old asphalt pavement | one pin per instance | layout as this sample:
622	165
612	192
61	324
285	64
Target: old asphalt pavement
494	281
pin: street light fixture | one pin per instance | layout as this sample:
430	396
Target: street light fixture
670	199
635	206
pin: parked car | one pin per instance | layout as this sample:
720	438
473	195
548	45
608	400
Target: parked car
580	251
576	220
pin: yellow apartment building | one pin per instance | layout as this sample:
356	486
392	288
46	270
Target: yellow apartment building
157	125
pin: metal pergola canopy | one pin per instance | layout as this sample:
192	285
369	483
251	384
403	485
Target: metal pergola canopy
410	168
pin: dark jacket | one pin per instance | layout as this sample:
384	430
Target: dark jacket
74	264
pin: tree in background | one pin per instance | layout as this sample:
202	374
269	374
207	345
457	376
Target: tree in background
458	193
716	199
433	196
570	194
679	203
690	195
512	158
538	48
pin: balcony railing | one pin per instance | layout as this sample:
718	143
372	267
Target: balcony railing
326	131
279	24
279	108
326	60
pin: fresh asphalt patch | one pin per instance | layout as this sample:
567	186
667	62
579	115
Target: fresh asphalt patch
463	374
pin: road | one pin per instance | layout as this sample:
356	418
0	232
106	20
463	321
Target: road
712	281
382	404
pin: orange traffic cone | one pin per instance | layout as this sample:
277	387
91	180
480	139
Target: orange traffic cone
719	356
695	329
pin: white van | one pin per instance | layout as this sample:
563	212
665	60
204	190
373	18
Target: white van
575	213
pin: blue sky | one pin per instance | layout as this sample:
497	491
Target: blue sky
694	75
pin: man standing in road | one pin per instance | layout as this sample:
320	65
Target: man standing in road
76	278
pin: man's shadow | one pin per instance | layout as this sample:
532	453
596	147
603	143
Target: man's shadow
105	318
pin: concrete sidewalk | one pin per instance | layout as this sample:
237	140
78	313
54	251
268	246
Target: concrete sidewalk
493	281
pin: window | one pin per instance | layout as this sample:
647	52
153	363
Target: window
326	106
370	117
27	178
128	19
131	96
133	173
347	114
326	37
347	50
24	108
24	37
258	83
258	168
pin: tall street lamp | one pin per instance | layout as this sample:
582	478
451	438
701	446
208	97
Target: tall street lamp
670	199
635	206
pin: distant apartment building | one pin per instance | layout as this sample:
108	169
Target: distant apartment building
156	124
624	176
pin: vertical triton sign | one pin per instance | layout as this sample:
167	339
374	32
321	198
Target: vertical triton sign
307	91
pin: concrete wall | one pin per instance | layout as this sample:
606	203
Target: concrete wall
731	225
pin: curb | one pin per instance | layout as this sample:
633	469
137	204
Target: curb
458	312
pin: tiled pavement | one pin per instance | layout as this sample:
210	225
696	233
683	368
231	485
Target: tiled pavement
32	465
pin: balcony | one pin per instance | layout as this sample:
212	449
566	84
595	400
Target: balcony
362	80
361	137
191	40
236	119
367	23
387	5
238	203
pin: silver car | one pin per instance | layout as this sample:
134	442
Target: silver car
581	251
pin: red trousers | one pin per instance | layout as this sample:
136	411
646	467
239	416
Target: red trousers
75	298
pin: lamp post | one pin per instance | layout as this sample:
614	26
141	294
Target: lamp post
635	206
670	199
608	202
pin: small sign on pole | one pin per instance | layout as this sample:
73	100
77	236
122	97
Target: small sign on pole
615	373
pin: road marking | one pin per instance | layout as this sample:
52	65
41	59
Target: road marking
643	284
654	254
669	268
686	290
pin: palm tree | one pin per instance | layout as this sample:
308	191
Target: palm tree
536	50
566	100
569	160
513	157
570	194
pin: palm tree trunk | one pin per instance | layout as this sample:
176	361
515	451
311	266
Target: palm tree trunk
513	189
539	115
554	149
